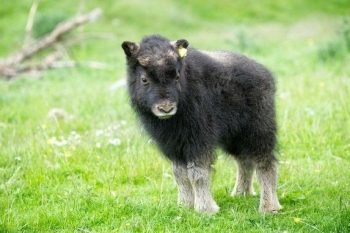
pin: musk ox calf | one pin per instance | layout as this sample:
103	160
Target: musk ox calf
191	101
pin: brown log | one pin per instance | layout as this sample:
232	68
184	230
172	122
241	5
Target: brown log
9	67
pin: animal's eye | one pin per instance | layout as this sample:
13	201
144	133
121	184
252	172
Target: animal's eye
144	80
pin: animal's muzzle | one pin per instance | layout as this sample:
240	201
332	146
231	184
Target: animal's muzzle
164	109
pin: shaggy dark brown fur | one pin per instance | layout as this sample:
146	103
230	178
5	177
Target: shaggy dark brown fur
191	104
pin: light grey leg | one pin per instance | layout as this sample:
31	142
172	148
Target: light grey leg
186	193
200	179
244	181
267	177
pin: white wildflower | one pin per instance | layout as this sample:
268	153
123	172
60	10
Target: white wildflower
115	141
61	143
99	132
52	140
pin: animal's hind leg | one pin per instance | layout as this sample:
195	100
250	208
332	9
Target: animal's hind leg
199	176
244	181
186	193
267	176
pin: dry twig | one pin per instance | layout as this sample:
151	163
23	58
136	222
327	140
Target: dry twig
11	66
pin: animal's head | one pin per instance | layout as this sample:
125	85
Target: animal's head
154	74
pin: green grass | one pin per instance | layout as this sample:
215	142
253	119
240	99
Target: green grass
104	175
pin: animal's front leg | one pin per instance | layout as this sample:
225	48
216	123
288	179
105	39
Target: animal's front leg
200	180
186	193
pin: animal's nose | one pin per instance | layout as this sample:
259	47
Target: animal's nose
167	107
164	109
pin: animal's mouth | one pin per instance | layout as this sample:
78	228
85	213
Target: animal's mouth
164	109
164	117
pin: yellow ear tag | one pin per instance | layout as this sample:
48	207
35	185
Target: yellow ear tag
182	51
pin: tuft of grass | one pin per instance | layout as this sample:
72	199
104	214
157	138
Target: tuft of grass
45	23
338	47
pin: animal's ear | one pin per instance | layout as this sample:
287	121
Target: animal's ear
181	47
182	43
130	48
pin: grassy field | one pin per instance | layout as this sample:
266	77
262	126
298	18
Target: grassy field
98	172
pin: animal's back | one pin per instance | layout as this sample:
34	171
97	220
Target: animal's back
241	94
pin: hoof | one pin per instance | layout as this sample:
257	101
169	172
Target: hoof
209	209
272	209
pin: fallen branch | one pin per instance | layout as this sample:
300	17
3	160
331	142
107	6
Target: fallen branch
10	67
46	63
